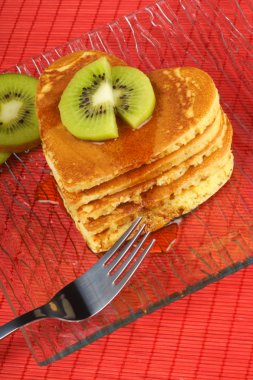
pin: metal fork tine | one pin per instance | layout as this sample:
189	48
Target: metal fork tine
124	251
135	266
119	243
130	258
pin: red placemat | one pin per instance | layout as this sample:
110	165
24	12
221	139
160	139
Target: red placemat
207	335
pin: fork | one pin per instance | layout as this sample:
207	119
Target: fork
95	289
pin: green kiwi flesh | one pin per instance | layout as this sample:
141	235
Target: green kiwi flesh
4	157
18	121
134	97
87	104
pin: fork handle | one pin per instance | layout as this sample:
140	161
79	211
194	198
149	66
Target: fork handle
21	321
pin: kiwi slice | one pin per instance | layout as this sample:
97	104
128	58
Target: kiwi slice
134	96
4	157
87	104
18	121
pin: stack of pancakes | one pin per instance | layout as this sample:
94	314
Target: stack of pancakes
164	169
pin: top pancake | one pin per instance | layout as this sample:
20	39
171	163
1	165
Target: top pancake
187	102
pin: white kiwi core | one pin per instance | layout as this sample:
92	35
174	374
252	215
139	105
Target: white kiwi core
10	110
103	94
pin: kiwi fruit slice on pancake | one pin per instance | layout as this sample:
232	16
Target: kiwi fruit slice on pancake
18	121
134	97
87	103
4	157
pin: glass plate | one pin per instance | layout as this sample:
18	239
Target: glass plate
41	250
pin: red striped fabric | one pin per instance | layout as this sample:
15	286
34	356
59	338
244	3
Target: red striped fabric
208	335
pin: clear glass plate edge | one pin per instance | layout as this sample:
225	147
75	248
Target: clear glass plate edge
150	309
